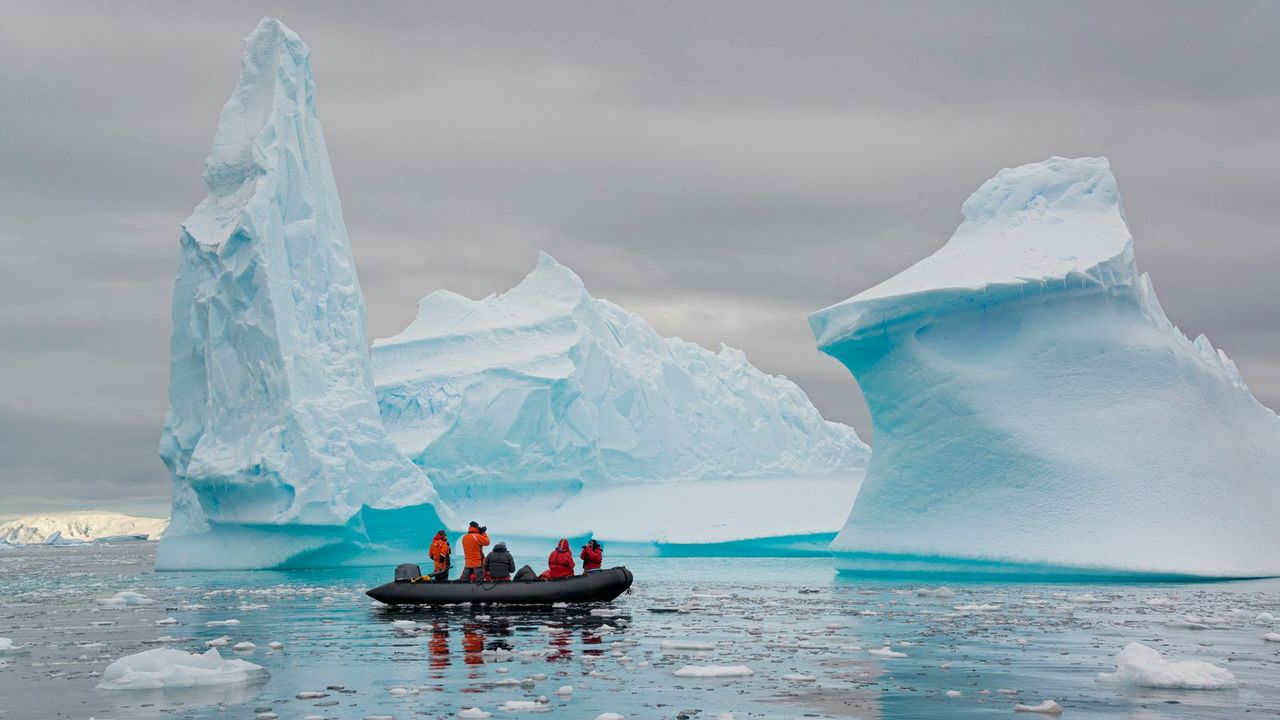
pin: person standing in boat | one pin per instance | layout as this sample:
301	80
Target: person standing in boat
441	554
592	556
473	553
560	562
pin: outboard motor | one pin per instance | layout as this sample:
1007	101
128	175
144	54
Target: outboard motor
408	572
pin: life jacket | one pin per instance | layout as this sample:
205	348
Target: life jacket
560	561
471	544
592	558
440	551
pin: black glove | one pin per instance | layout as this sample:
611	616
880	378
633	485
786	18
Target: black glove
484	529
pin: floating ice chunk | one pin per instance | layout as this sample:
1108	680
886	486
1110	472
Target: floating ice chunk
886	652
164	668
311	694
687	645
940	592
163	639
474	713
714	671
565	690
167	621
1272	637
984	607
1191	622
403	691
216	623
954	693
1265	617
8	647
1087	599
275	645
1142	666
539	705
1048	707
1158	601
125	598
245	646
799	677
218	642
610	716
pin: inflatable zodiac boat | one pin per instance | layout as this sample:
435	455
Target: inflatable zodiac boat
596	586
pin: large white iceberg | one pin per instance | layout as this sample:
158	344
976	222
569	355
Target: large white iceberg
1035	411
273	439
544	412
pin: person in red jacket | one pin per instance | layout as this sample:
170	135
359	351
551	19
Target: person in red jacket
560	562
592	556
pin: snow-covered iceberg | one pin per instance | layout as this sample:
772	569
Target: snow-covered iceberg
544	412
1035	411
273	440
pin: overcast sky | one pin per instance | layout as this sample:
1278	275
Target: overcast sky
720	168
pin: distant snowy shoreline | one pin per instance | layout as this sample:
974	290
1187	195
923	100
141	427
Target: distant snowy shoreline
79	527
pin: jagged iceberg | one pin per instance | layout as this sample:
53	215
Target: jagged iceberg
545	412
273	440
1036	412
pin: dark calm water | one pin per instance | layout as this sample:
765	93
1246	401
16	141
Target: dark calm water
788	620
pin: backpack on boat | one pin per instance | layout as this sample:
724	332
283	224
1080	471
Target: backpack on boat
408	572
526	573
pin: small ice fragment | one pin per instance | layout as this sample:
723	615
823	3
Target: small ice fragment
887	652
514	705
1157	601
940	592
565	691
474	713
984	607
401	691
167	621
610	716
1272	637
243	646
311	694
214	623
1087	599
687	645
798	677
163	668
218	642
125	598
1048	707
275	645
954	693
1265	617
1142	666
8	647
714	671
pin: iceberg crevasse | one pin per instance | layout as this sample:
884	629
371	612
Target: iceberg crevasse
539	408
273	439
1035	411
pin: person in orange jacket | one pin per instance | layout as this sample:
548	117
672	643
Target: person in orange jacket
472	554
592	556
441	552
560	562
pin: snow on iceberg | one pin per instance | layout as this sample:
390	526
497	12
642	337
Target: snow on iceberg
534	409
167	669
1035	411
273	440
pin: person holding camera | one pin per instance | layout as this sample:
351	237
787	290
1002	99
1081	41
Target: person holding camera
592	556
472	552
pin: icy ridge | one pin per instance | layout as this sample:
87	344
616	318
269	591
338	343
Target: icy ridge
1035	410
546	384
78	526
272	438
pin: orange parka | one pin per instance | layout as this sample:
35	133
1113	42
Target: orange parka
440	551
471	544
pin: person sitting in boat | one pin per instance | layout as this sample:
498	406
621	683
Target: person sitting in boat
440	553
472	552
560	562
498	564
592	556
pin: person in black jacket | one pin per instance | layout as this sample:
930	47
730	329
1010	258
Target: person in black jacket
498	564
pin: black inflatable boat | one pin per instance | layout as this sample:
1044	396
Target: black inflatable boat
598	586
